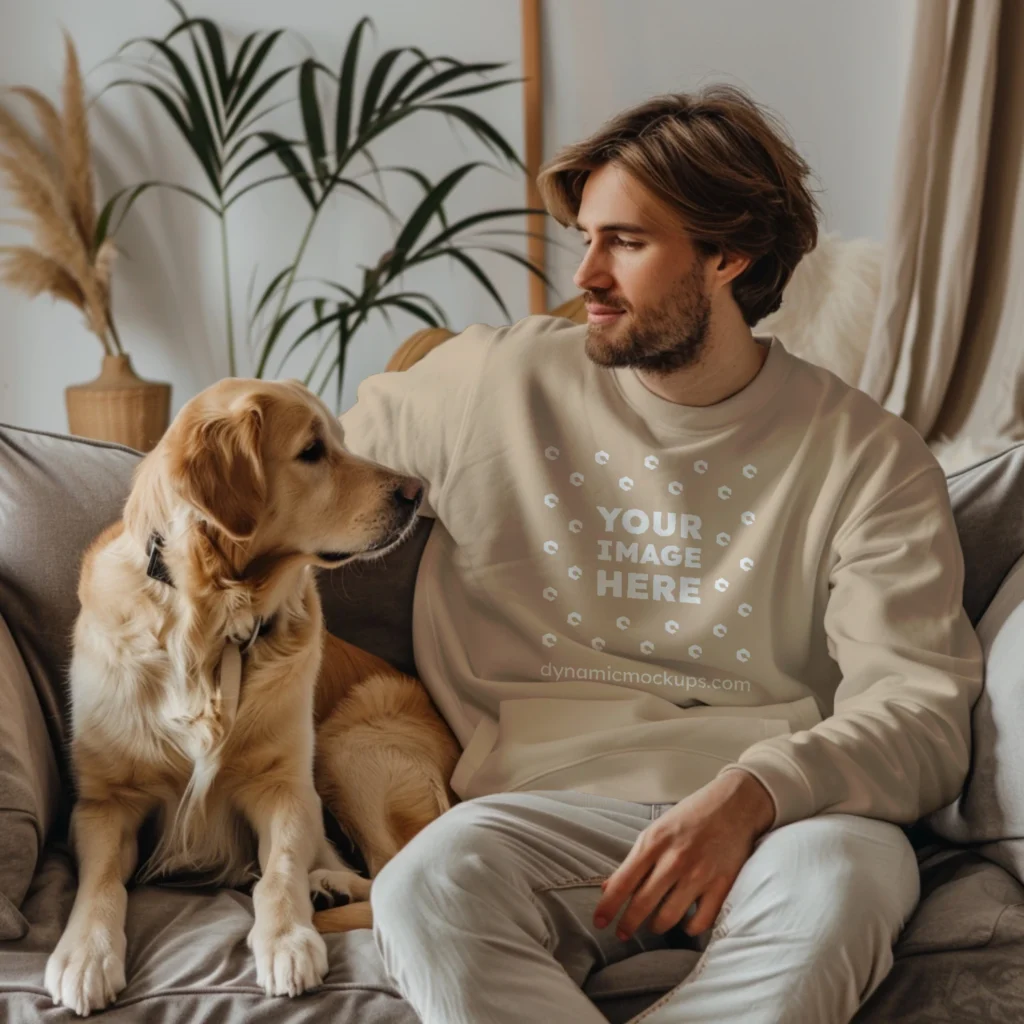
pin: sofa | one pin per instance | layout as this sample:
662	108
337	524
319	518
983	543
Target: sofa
960	957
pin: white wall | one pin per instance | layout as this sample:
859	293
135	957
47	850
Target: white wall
834	71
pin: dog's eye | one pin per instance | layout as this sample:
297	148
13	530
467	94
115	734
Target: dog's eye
314	453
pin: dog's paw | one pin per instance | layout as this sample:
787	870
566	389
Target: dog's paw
85	973
289	962
332	888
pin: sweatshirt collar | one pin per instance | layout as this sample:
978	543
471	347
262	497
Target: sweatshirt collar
702	418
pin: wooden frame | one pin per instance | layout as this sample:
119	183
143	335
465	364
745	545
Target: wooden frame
533	121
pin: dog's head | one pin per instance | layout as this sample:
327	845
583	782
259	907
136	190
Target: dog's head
263	463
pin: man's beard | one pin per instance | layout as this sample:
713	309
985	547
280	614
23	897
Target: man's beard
658	341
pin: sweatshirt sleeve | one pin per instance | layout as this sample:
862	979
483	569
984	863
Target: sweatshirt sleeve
898	743
412	421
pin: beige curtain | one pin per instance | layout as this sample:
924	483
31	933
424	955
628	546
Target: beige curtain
947	346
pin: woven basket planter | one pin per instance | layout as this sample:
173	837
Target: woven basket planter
119	406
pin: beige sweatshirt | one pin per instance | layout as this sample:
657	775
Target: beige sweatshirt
626	596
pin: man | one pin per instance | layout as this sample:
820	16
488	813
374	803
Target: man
691	605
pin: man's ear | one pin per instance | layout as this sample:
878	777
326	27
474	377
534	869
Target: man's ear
729	265
219	468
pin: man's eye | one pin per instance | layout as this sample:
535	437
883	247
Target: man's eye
314	453
622	242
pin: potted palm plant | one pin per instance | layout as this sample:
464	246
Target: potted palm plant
71	257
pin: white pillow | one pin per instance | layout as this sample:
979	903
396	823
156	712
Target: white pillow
828	307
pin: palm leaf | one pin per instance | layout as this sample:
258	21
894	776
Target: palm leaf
423	297
418	176
397	93
410	307
237	64
103	229
318	325
312	120
323	349
283	151
346	89
472	266
258	155
515	257
214	43
259	183
182	122
442	78
428	208
477	218
213	92
269	291
375	83
275	332
489	135
239	123
244	78
473	90
202	135
347	292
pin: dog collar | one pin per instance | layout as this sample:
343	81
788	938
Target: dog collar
157	570
260	629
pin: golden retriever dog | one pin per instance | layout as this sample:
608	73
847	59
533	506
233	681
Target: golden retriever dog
199	684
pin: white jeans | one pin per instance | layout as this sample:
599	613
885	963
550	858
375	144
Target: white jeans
486	917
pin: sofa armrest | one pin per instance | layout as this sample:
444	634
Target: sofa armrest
29	785
417	345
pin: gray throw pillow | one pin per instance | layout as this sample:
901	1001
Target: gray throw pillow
990	809
56	494
29	787
988	505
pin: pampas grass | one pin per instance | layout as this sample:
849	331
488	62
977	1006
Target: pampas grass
53	187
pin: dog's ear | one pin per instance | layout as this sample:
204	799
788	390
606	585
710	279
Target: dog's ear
219	468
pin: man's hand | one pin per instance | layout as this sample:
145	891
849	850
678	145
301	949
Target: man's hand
693	852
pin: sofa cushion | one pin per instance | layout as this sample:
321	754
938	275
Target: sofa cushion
188	961
988	505
961	955
56	494
29	786
626	988
963	898
370	603
990	809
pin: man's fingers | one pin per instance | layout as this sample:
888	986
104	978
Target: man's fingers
665	875
674	906
708	907
621	884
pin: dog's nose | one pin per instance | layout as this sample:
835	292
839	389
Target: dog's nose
409	491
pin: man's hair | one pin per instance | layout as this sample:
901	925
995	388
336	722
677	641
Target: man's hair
727	167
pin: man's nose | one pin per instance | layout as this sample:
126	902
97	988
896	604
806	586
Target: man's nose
592	274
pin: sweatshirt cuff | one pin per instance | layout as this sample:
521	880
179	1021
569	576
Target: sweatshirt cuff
790	791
